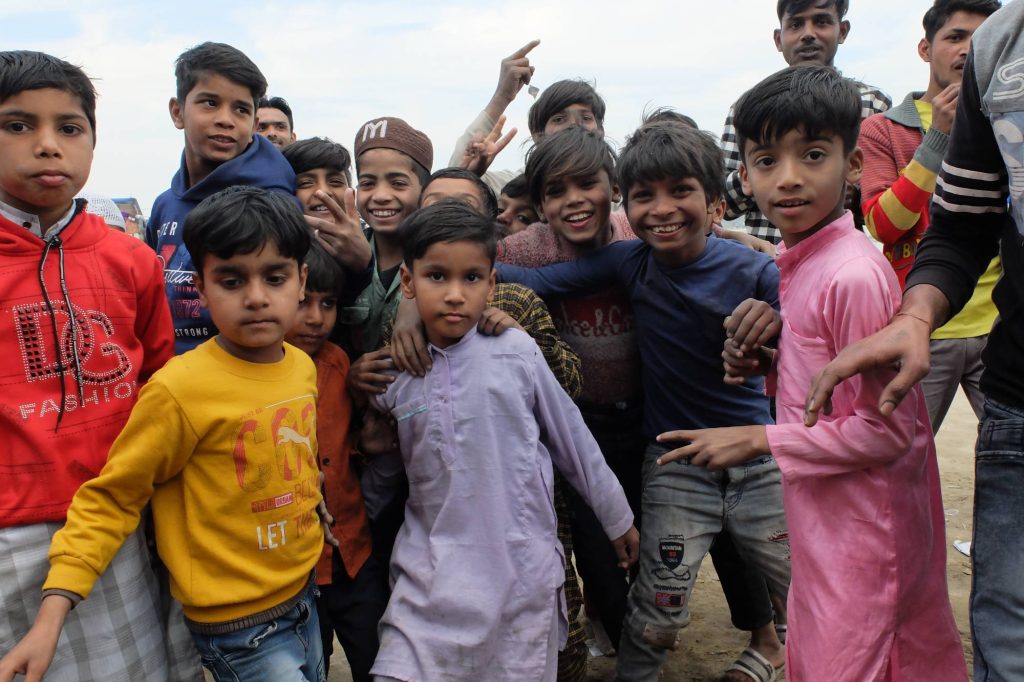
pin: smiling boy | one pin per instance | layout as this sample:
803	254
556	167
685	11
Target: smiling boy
223	443
218	88
682	284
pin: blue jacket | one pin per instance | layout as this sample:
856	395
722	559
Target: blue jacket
260	165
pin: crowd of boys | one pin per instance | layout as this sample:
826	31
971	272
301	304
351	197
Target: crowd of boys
387	409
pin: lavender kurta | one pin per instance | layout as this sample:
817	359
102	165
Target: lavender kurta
869	599
477	570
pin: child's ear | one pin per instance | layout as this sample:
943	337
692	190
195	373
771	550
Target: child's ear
492	282
616	194
716	209
176	113
743	179
854	166
303	275
408	288
197	282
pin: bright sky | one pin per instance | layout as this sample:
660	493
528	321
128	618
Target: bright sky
434	64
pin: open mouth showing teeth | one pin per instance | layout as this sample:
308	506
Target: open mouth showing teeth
578	217
384	213
791	203
666	229
319	209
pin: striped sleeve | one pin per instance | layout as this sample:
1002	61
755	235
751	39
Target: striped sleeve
894	198
969	206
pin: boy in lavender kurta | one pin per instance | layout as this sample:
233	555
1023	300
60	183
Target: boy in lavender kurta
869	599
477	569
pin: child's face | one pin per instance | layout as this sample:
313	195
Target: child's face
46	147
388	189
253	299
811	36
330	181
516	213
218	118
573	115
450	284
317	314
461	189
578	208
673	216
799	182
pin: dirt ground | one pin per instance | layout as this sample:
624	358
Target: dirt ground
710	643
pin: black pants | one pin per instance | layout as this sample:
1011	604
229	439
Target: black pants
606	586
351	608
745	588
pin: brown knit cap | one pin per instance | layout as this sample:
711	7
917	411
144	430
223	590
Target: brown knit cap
389	132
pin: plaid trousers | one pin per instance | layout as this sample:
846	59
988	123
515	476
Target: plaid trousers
115	635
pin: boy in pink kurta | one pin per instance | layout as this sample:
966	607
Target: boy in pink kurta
868	599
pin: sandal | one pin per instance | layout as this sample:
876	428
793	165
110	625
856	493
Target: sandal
755	666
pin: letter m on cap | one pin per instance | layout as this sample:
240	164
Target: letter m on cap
375	129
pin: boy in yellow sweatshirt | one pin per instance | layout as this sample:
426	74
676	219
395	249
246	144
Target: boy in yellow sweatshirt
223	442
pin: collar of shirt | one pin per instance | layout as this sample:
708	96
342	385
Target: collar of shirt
31	221
455	346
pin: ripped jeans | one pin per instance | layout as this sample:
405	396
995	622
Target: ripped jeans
684	507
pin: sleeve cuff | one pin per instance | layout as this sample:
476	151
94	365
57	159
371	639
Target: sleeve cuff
73	597
932	150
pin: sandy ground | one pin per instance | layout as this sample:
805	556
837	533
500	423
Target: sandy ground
710	643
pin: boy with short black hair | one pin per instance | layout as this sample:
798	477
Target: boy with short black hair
480	514
869	599
461	184
562	104
223	442
515	212
86	322
323	186
351	581
682	284
218	89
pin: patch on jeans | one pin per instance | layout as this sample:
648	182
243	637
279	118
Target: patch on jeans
670	549
661	636
781	537
670	600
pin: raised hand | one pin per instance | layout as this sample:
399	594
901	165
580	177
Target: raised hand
342	236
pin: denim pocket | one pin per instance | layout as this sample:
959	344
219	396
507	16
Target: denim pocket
1001	434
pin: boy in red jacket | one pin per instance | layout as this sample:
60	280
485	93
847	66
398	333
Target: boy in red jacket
85	322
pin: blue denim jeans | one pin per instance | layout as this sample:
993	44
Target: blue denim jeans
286	649
684	508
997	552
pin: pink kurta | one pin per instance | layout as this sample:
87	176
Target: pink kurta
869	599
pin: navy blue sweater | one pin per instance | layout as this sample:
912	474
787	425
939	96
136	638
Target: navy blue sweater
260	165
679	315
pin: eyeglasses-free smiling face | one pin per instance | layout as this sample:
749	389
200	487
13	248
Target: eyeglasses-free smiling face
387	190
578	208
253	299
799	182
673	216
450	284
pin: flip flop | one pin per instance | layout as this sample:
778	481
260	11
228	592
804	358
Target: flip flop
755	666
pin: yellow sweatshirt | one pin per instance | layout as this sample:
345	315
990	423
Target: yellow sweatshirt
226	449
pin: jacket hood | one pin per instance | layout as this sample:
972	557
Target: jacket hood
261	165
